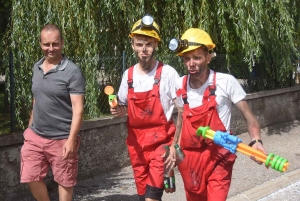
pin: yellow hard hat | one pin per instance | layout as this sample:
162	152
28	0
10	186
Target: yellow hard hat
146	26
192	39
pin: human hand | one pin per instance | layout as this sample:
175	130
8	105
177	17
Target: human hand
118	111
261	148
69	149
170	161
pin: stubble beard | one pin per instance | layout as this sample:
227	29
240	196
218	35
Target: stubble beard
146	63
202	71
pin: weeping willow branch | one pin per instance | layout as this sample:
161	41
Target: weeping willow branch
258	31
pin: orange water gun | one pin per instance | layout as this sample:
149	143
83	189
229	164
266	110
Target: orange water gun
112	99
233	144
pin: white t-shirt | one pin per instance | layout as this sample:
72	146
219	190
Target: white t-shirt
228	91
143	83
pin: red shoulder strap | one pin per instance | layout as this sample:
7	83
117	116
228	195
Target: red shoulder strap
130	80
210	91
156	78
182	92
158	73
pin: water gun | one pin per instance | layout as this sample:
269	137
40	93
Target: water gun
233	144
112	99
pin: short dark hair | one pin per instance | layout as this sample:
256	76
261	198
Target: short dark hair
52	27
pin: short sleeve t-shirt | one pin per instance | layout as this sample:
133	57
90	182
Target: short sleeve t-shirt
228	91
52	110
143	83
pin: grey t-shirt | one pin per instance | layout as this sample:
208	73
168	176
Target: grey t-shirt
52	111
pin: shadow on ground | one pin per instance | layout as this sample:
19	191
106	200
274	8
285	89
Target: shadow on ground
280	129
114	186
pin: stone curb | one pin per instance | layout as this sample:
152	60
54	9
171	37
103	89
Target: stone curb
268	187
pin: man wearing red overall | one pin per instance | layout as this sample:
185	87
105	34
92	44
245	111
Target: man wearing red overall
147	94
204	98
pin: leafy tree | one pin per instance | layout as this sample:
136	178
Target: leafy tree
261	32
80	29
4	18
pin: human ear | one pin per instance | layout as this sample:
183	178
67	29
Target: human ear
208	58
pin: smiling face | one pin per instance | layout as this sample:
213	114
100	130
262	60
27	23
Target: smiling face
144	48
51	44
196	61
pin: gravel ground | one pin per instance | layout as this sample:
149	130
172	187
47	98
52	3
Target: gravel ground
283	140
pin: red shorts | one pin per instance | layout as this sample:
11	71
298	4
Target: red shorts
38	154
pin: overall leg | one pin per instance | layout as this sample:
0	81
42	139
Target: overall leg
140	169
155	181
140	164
192	172
220	179
202	171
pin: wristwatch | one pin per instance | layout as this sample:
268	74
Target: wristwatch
254	141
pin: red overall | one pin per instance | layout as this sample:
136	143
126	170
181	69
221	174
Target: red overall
207	167
148	133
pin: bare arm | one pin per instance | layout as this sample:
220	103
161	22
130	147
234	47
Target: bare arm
177	135
77	109
31	114
77	114
170	161
252	124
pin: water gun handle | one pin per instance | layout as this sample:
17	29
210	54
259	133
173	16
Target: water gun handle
113	100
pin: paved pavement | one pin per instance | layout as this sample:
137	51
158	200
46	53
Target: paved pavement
291	192
250	181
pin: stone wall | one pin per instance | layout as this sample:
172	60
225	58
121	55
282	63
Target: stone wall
103	146
270	107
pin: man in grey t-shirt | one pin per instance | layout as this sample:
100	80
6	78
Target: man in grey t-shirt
51	140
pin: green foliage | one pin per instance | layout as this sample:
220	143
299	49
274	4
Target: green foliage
80	28
4	18
260	32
